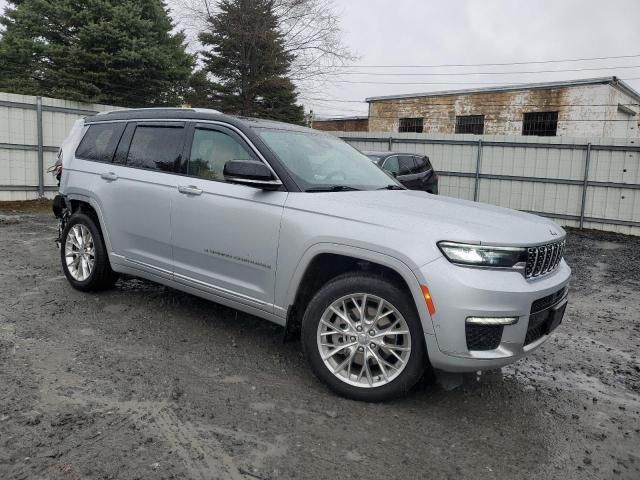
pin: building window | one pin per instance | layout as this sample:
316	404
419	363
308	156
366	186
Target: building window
413	125
470	124
543	124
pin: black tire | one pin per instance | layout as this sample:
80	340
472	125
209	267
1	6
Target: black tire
102	276
352	283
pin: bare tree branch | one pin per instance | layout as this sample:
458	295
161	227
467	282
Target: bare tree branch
311	32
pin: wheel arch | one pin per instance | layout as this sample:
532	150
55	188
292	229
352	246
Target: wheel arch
89	206
322	262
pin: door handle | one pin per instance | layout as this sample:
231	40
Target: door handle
189	190
109	176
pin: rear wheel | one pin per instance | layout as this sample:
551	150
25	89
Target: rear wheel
84	257
363	338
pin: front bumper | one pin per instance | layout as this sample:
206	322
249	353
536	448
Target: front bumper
460	292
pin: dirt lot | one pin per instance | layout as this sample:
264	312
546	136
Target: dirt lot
146	382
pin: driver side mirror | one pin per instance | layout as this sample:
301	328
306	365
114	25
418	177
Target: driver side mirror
250	173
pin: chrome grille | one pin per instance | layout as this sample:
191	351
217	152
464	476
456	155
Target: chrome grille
543	259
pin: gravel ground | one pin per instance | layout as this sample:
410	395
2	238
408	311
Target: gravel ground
146	382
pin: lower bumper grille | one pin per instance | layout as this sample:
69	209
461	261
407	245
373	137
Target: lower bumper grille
483	337
542	316
535	333
545	302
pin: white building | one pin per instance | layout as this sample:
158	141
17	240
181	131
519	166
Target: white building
597	107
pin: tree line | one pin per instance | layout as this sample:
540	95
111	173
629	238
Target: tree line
129	53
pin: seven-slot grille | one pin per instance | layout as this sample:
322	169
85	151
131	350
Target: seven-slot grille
543	259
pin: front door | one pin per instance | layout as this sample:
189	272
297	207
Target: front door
225	236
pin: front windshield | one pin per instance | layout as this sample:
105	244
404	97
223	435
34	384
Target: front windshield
317	160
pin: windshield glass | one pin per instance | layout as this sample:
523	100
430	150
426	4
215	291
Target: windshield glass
318	160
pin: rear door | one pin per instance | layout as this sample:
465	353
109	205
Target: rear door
408	172
426	174
136	194
225	236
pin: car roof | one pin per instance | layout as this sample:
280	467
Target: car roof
388	153
193	114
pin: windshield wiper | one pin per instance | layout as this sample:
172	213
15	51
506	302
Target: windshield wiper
391	187
331	188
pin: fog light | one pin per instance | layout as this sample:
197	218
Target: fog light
492	320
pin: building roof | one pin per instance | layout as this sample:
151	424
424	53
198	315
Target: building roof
614	81
334	119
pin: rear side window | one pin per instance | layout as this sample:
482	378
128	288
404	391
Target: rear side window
100	142
407	165
423	164
156	148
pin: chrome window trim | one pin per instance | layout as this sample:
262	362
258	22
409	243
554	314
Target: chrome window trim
251	181
196	121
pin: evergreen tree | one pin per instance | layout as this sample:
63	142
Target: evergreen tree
118	52
247	60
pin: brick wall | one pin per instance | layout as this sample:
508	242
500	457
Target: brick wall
346	125
583	111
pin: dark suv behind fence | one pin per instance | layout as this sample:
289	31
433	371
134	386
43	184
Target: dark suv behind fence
414	171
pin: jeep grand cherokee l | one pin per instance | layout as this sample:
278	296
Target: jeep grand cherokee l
295	226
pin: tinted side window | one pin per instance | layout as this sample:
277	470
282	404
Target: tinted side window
391	164
211	149
407	165
100	142
420	165
156	148
423	164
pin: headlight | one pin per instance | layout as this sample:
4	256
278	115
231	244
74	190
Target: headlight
483	256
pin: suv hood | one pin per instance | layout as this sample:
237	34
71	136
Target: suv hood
432	216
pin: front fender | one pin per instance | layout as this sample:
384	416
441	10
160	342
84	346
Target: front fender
401	268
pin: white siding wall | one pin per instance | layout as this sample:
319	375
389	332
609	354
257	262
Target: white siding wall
554	199
18	128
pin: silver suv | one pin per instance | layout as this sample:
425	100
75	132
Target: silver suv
297	227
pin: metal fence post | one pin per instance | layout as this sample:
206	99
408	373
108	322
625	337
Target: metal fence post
390	143
40	147
476	187
585	180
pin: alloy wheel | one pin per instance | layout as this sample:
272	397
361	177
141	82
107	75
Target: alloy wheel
80	252
364	340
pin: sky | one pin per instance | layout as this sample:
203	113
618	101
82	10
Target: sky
445	32
422	32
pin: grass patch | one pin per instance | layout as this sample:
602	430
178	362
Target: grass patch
27	206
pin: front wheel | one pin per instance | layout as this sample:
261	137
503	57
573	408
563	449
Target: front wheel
84	256
362	336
